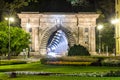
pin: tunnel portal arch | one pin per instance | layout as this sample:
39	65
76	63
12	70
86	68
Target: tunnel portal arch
78	27
69	35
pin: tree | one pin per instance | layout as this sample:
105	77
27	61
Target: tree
3	38
19	39
3	41
107	38
10	8
106	11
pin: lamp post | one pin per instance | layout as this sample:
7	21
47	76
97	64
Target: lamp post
99	27
9	19
114	22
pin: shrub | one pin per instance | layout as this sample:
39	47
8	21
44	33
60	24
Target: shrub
98	62
11	62
111	62
78	50
83	60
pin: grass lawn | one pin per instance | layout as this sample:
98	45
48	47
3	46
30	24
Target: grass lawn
53	68
57	69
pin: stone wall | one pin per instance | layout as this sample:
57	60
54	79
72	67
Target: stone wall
79	28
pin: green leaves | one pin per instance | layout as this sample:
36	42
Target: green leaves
107	38
19	39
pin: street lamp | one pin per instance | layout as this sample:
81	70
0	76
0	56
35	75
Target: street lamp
99	27
114	22
9	19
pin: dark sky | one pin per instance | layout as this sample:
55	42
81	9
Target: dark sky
57	6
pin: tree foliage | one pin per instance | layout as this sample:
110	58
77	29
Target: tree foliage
106	12
19	39
107	9
3	38
10	8
107	37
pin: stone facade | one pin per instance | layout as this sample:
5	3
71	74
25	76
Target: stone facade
117	27
79	28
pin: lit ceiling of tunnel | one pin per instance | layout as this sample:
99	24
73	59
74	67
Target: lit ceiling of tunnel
58	45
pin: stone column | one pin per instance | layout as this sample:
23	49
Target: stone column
33	39
36	39
92	38
81	35
35	44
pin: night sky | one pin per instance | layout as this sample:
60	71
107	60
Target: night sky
58	6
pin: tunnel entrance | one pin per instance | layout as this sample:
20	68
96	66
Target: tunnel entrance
57	45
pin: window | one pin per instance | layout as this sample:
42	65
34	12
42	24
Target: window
86	29
86	39
30	30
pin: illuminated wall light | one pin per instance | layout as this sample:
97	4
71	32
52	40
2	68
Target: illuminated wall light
114	21
100	27
28	26
10	18
58	18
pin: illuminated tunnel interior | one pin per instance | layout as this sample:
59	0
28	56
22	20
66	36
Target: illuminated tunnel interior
57	44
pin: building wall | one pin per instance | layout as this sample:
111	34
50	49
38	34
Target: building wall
117	27
79	27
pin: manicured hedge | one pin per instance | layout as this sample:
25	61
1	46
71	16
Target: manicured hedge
83	60
12	62
108	61
111	62
69	63
69	60
79	59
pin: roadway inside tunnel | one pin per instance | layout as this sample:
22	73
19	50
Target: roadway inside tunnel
57	44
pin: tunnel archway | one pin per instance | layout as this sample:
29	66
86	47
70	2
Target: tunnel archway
49	35
57	44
